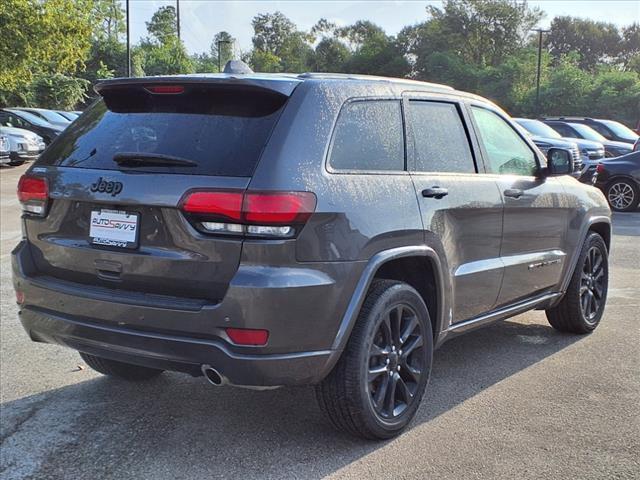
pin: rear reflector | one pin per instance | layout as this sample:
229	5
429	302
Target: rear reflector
247	336
165	89
33	193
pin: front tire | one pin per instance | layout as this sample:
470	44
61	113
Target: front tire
582	306
125	371
375	388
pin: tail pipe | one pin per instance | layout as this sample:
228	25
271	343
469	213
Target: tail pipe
213	376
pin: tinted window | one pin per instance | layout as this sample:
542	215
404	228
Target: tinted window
369	136
601	129
506	151
439	139
563	130
222	130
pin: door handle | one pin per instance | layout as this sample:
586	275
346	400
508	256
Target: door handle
513	193
435	192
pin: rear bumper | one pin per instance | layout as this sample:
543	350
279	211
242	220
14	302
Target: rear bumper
301	307
174	353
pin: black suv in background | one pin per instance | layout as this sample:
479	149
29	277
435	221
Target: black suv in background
609	129
571	130
316	229
19	119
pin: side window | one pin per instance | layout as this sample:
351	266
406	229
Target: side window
563	130
439	139
507	153
601	129
368	136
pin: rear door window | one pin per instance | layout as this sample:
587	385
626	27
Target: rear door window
222	131
368	136
440	142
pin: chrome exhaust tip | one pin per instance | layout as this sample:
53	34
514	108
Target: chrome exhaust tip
212	375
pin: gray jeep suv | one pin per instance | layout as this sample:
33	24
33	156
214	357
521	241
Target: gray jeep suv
315	229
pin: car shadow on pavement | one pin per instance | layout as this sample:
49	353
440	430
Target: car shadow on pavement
181	427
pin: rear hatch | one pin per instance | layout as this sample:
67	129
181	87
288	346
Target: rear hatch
116	178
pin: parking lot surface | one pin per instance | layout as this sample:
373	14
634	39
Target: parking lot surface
514	400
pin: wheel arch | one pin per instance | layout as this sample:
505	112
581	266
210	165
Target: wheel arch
392	258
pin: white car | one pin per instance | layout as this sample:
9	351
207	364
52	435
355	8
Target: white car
23	145
4	149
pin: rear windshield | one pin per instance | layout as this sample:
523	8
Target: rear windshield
221	130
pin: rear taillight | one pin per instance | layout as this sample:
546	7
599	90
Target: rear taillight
165	89
262	214
600	168
33	193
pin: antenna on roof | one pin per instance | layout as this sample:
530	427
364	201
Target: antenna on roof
237	67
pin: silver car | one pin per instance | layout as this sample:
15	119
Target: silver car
23	145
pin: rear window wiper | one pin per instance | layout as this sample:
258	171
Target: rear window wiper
151	159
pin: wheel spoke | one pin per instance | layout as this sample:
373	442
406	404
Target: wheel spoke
413	371
584	301
412	323
396	322
375	372
390	400
411	346
404	390
381	393
377	351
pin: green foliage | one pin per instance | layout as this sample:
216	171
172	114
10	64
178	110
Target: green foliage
163	25
58	91
594	42
167	58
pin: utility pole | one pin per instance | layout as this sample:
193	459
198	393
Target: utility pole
128	44
540	32
220	54
178	17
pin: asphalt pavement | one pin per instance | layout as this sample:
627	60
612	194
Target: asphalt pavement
514	400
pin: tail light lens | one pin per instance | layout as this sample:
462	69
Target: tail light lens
33	194
262	214
600	168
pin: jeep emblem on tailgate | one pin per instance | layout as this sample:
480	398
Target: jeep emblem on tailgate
114	188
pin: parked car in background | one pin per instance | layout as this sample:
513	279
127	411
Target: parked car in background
23	144
609	129
545	137
572	130
54	118
71	116
619	179
10	117
4	149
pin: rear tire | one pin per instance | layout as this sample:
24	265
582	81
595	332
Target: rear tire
582	306
375	388
121	370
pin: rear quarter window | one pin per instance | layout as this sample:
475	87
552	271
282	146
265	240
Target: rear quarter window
223	130
368	136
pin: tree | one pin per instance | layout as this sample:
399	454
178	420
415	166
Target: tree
222	48
278	45
58	91
167	58
163	25
484	32
41	38
331	55
108	19
595	42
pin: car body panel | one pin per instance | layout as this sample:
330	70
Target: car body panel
307	291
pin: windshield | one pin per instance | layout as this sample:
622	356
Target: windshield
218	131
538	128
588	133
51	116
621	130
30	117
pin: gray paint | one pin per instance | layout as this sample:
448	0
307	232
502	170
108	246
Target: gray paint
494	256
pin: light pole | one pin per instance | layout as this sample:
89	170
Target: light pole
220	54
128	43
178	17
540	32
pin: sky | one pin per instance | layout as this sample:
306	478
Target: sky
201	19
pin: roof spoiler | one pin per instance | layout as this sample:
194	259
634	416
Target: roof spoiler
281	85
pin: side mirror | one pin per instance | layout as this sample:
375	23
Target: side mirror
559	162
